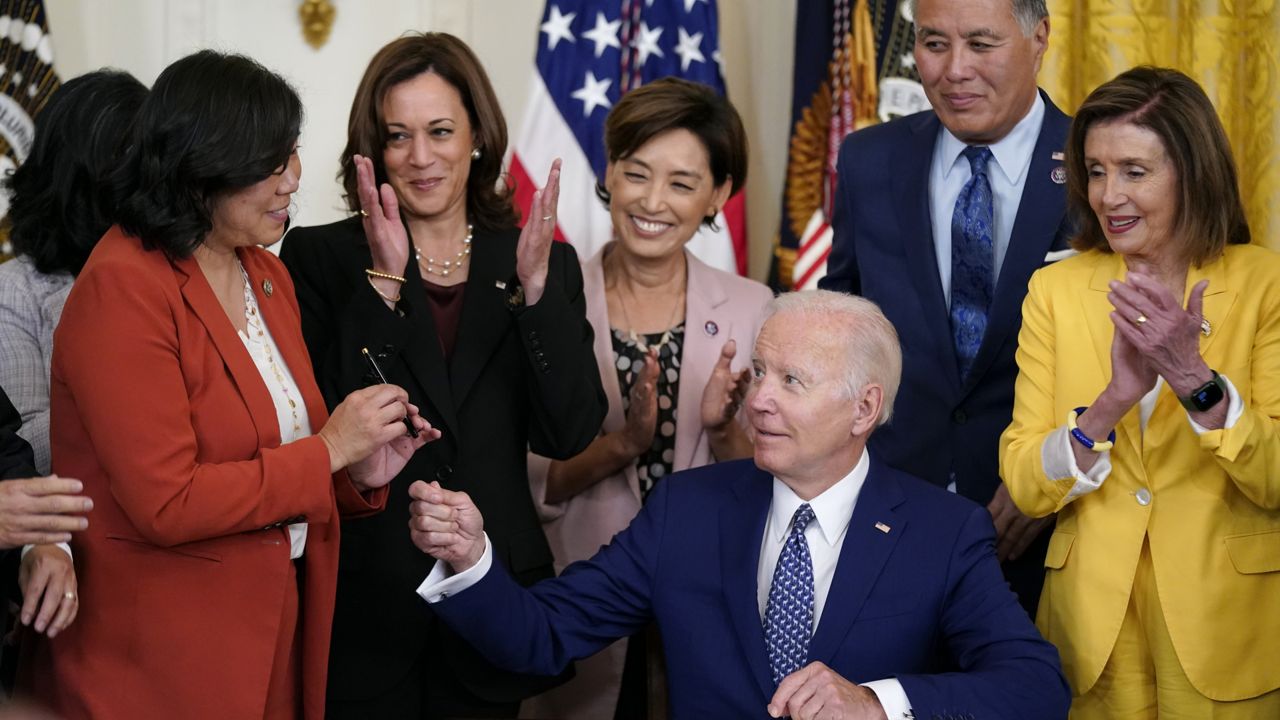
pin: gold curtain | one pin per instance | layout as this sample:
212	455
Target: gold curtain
1228	46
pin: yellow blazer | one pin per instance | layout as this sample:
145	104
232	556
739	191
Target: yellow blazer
1214	518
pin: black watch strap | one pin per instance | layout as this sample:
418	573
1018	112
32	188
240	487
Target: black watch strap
1205	396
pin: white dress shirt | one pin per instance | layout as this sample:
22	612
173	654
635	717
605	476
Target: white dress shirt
291	412
949	171
1059	461
825	535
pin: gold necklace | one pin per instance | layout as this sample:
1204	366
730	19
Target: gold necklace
428	264
631	331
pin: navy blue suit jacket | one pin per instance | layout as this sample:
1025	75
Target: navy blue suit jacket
923	601
883	250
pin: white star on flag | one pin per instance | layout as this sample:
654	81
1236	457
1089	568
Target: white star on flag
604	34
557	27
646	42
688	4
592	93
688	49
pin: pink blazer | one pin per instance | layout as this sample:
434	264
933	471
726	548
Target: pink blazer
719	306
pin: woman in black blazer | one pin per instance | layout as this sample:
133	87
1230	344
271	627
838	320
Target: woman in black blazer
483	324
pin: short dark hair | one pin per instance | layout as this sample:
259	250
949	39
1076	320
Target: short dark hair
212	124
59	208
489	206
677	104
1210	214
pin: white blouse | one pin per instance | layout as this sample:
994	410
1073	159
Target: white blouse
291	412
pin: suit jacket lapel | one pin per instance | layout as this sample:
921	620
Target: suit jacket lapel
598	316
910	177
862	557
1040	215
226	340
424	356
286	330
741	530
485	317
701	352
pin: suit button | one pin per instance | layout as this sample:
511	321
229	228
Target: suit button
1143	496
533	335
538	355
444	473
959	417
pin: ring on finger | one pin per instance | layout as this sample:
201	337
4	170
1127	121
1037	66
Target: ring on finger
1140	319
546	218
69	595
363	213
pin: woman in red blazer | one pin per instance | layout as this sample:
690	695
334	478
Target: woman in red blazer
183	397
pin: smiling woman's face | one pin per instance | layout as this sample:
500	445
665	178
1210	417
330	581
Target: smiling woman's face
1133	189
661	193
257	214
427	157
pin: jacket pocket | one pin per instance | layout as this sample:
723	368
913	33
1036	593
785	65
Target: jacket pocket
1059	547
177	549
1255	553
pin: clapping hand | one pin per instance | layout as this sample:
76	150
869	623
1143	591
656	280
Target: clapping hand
533	250
1164	335
380	210
642	410
725	390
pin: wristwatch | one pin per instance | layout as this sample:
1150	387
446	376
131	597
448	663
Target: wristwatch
1207	395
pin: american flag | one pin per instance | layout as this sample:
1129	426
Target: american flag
590	52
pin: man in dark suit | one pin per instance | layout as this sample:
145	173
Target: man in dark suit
808	584
941	218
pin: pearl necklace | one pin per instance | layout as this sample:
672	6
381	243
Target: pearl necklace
428	264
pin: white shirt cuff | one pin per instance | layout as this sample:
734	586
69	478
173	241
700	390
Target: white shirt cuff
1235	408
892	698
1059	463
65	548
441	583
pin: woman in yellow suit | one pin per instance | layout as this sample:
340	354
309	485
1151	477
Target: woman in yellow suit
1147	415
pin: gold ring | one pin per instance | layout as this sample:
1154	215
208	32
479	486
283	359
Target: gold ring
1140	319
363	213
547	217
69	595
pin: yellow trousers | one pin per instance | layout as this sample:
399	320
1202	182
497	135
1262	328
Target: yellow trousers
1143	678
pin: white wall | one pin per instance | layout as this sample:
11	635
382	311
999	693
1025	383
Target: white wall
143	36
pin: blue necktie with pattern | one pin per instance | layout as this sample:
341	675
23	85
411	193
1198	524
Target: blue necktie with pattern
788	616
972	260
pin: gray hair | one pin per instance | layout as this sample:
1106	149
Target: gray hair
1028	13
872	352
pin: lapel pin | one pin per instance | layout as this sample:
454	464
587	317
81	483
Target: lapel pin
267	287
711	328
1058	175
882	527
1057	155
500	284
1205	327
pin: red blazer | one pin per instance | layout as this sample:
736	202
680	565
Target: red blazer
158	408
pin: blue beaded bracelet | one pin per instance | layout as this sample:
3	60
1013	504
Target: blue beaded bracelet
1085	440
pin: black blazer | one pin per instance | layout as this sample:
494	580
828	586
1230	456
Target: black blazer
518	380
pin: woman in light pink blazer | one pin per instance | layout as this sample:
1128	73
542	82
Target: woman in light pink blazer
673	340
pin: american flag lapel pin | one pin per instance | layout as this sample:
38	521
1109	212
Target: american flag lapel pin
882	527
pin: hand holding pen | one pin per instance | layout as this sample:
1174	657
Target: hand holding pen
377	372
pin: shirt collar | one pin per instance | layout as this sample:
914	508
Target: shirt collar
1011	153
832	510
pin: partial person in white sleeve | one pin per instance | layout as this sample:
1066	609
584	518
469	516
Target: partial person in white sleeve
1146	417
807	583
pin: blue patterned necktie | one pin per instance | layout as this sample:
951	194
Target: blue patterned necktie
788	617
972	260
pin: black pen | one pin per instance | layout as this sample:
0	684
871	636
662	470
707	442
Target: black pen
373	365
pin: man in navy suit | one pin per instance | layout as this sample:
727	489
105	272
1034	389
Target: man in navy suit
812	583
907	190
